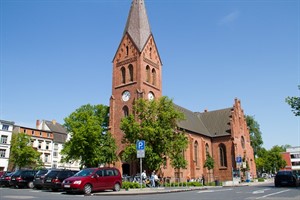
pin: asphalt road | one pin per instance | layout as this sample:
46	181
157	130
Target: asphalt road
264	192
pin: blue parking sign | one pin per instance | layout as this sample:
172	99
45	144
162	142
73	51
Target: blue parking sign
140	145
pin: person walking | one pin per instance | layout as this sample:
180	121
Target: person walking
152	179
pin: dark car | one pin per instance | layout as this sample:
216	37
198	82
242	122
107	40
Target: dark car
286	178
55	177
23	178
94	179
39	178
5	178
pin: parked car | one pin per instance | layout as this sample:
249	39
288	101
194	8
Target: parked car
286	178
5	178
93	179
22	178
55	177
39	178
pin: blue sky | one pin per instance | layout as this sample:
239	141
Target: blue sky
56	55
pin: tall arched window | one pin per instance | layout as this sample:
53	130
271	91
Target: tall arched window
123	71
153	77
207	149
125	111
148	74
243	142
222	152
130	67
196	153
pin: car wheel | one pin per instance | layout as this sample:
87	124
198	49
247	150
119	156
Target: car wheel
117	187
30	185
87	189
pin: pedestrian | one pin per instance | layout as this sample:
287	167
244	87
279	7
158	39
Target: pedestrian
152	179
144	175
203	180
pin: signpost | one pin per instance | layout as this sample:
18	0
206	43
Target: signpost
140	153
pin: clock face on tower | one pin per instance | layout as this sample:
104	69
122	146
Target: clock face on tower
150	96
126	95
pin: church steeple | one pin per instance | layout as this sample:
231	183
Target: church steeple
137	25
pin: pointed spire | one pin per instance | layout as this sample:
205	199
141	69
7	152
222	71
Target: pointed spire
137	25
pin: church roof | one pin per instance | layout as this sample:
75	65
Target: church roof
212	124
217	122
137	25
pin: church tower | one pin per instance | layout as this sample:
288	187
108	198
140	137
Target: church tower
137	72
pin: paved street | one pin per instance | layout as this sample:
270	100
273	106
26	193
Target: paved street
262	191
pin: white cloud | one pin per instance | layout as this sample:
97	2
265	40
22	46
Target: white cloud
229	18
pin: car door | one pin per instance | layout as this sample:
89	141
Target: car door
97	179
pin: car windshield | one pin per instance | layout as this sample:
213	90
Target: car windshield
84	172
42	172
284	173
17	173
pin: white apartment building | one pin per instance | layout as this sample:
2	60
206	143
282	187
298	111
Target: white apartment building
60	136
6	128
41	140
295	157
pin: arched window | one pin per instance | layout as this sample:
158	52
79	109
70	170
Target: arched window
243	142
125	111
148	74
123	71
150	52
127	51
196	153
130	67
222	152
207	149
153	77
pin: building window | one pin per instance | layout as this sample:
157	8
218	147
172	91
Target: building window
55	146
196	153
125	111
207	149
55	154
46	158
32	132
123	71
222	152
147	74
40	145
47	145
243	142
153	77
127	50
24	130
130	67
150	54
5	127
3	139
40	133
2	153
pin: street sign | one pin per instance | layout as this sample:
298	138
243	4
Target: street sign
140	145
140	149
239	159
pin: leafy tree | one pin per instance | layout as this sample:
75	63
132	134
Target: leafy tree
255	134
90	142
270	160
155	122
22	154
294	102
209	162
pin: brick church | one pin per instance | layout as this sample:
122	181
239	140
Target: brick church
137	73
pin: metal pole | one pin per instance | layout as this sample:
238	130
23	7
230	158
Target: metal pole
141	166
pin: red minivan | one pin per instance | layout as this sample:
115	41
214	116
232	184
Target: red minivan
94	179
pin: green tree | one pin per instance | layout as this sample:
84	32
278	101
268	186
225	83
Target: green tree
270	160
22	154
209	162
294	102
90	142
255	134
156	123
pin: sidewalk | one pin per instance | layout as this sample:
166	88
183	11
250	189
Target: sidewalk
161	190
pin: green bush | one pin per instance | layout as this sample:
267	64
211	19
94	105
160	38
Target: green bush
261	180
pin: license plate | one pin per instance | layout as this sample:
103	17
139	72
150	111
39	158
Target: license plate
66	186
48	181
13	179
